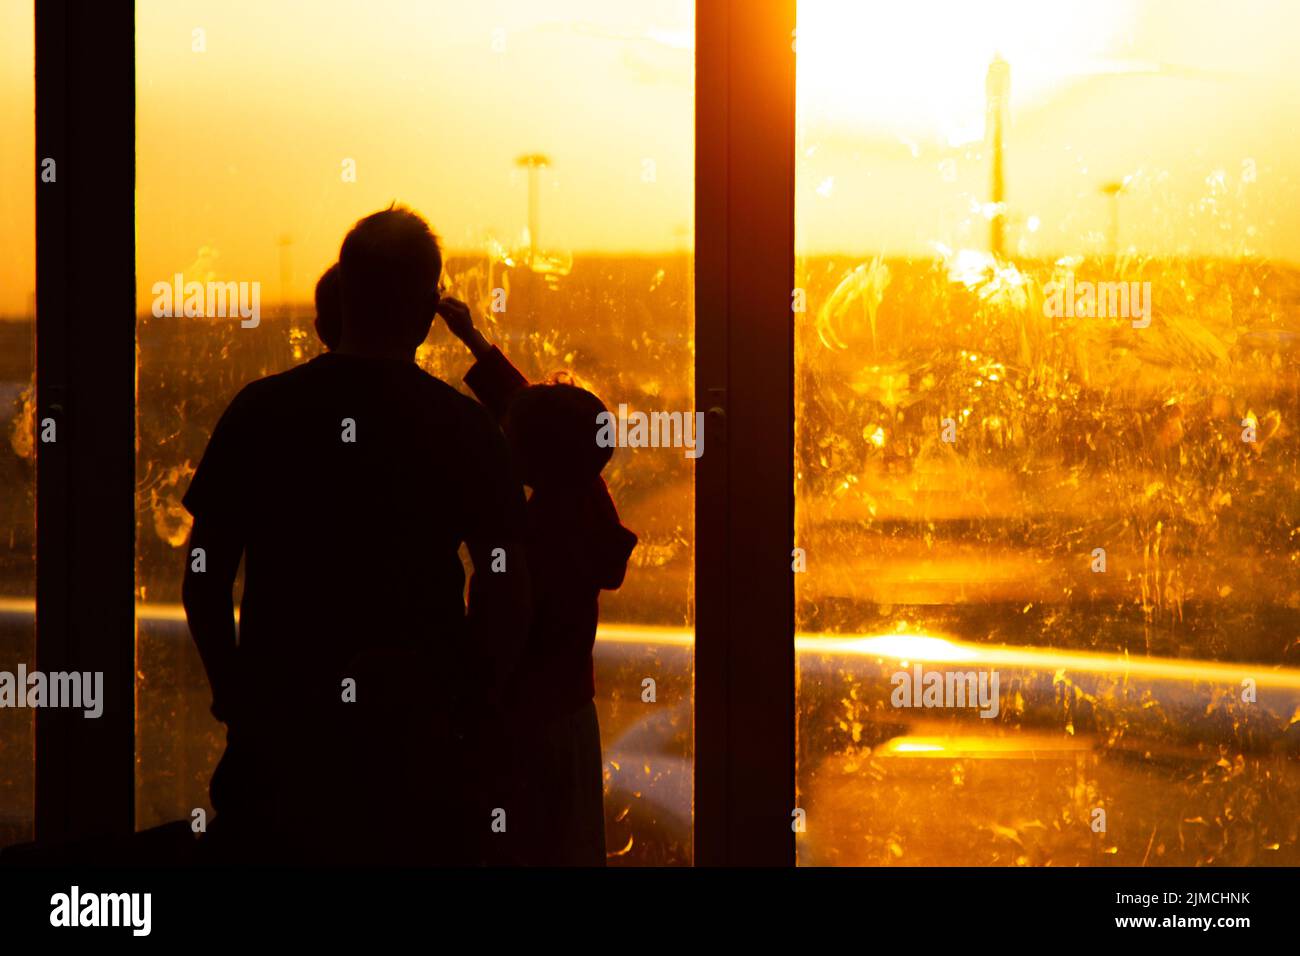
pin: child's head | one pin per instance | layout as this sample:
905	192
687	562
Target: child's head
329	308
552	434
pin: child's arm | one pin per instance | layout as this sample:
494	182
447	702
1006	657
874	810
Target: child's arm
611	547
492	378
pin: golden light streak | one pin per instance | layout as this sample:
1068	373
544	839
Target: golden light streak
934	649
929	648
1022	744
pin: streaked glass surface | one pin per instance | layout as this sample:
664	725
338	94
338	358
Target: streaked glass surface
433	104
1101	512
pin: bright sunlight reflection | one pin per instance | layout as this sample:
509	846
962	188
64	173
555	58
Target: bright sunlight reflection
853	70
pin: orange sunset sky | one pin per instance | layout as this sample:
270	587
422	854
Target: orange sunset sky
241	144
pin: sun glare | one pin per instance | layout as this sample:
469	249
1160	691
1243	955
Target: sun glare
917	69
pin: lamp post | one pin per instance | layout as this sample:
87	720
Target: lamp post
997	89
534	163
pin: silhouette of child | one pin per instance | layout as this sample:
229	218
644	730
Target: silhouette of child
576	548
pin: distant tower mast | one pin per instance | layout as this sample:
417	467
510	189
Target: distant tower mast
997	89
534	163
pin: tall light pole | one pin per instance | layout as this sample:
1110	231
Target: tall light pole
534	163
997	89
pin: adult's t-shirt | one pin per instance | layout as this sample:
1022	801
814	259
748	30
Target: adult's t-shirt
352	483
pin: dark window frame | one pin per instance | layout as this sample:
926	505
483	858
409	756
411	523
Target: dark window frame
85	382
744	377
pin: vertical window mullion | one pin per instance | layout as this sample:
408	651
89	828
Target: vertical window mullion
85	218
745	119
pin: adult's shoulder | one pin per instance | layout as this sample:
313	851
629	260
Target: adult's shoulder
460	404
263	400
270	388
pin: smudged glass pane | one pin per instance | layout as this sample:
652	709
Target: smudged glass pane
551	147
1047	481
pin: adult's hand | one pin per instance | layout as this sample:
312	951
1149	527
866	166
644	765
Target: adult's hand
458	317
460	320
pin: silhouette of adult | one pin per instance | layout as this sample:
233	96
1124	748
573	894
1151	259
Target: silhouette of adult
359	685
